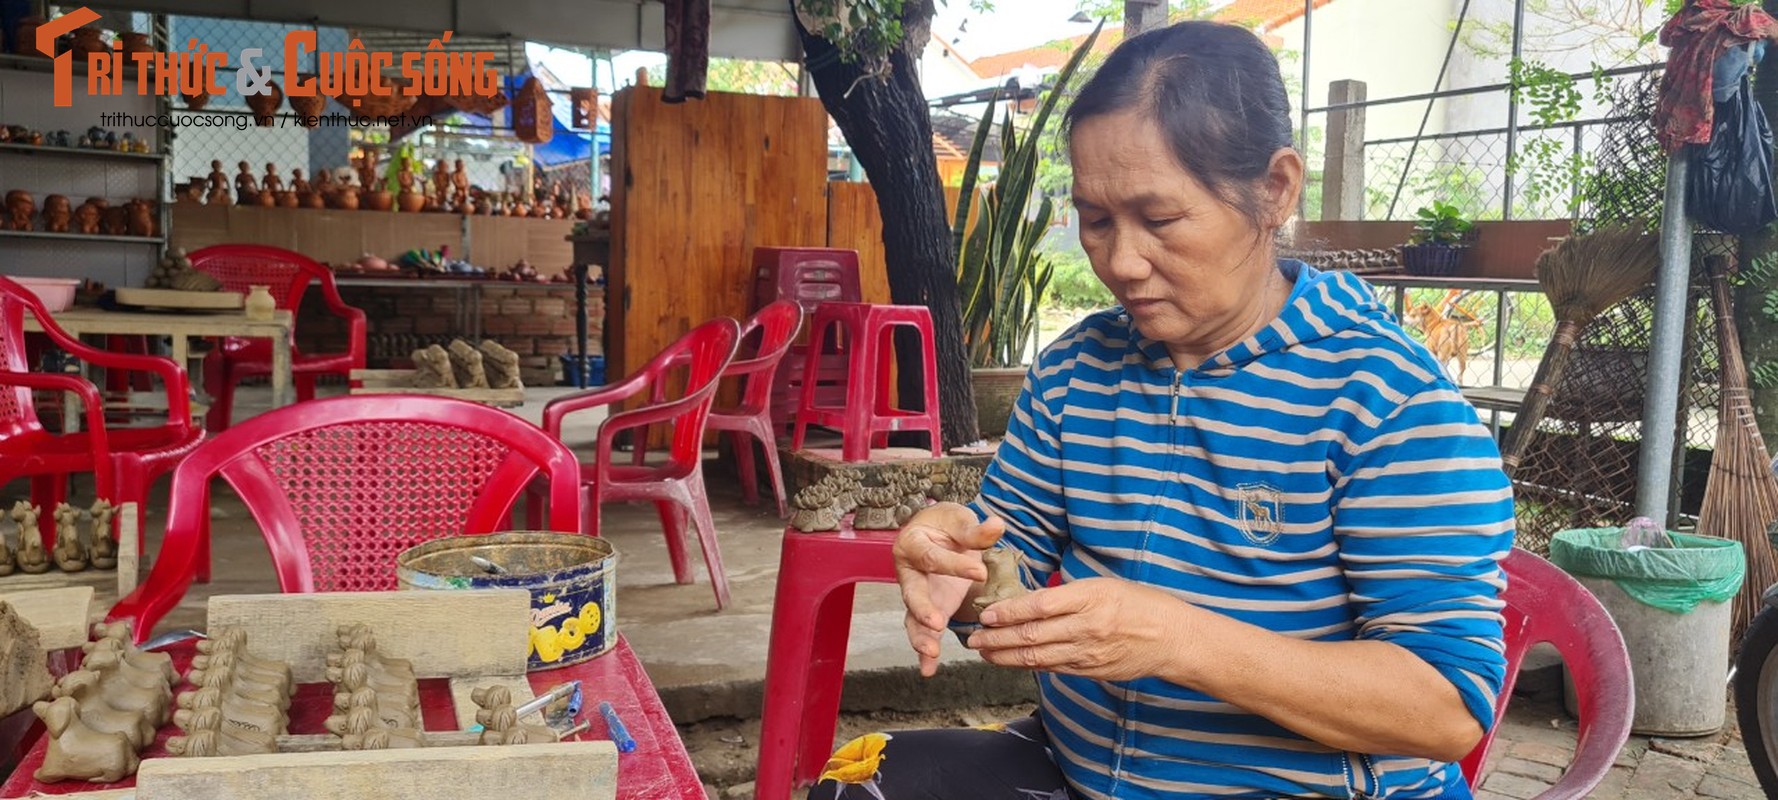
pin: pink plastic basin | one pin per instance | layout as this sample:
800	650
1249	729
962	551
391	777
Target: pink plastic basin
57	294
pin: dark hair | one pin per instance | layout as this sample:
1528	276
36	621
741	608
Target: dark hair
1217	94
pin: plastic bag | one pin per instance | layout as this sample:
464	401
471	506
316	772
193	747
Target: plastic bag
1696	569
1729	187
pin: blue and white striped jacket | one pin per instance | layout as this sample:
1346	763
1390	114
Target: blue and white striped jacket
1323	479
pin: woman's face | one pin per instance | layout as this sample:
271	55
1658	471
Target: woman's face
1193	272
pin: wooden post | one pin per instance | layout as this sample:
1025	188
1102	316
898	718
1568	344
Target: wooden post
1342	169
1143	15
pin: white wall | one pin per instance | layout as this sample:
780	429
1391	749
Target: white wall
1394	46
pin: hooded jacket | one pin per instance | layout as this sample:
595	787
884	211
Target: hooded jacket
1323	479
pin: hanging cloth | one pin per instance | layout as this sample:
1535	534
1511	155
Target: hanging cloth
688	49
1697	36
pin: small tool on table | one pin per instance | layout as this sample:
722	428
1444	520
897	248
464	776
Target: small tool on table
620	735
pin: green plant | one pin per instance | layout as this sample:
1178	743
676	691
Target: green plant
1074	286
1441	223
1001	275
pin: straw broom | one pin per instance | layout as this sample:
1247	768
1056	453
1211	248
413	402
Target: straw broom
1741	496
1582	276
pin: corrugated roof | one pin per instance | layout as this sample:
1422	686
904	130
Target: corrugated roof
1264	15
1044	56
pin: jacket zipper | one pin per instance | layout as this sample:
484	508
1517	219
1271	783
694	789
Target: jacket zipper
1173	406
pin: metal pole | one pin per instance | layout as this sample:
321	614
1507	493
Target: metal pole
1660	412
1512	113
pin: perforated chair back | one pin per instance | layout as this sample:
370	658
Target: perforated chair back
339	487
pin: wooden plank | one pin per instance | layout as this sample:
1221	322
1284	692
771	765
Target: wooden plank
582	770
444	633
62	616
462	690
329	743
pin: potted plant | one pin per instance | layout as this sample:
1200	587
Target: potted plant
1001	276
1440	241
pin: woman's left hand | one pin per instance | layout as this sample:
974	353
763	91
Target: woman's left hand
1103	628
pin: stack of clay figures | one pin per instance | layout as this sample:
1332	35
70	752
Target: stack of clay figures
106	712
499	720
71	552
886	504
239	705
176	272
464	366
134	217
376	699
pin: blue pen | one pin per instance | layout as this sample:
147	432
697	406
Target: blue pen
619	735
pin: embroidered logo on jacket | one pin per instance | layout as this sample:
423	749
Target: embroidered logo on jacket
1261	513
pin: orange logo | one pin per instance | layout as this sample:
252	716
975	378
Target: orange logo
349	75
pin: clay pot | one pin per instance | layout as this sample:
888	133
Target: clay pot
87	40
378	200
311	199
307	108
412	201
288	199
25	37
135	43
266	105
20	207
259	303
196	102
141	218
346	198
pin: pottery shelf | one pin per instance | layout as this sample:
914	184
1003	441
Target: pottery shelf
83	237
78	152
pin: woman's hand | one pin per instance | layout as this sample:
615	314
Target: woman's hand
1104	628
938	563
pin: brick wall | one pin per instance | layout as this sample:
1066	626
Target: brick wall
537	322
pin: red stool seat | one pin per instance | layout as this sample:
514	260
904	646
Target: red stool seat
867	415
806	659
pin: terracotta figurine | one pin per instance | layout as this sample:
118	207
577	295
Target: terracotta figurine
68	553
104	551
56	213
20	207
100	716
77	751
139	218
86	218
460	182
1004	582
246	186
31	558
218	195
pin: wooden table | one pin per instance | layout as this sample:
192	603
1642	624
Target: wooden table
181	327
658	769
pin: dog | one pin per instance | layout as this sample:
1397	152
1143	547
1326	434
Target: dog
1446	337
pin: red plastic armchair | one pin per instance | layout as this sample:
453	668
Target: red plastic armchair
124	461
1545	604
778	324
288	274
341	486
676	487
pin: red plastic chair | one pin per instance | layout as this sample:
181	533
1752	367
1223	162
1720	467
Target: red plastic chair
240	266
752	419
124	461
676	487
339	487
867	417
1545	604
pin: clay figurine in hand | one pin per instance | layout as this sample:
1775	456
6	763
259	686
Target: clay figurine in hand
78	752
104	552
20	207
57	213
31	558
1003	582
100	716
68	554
246	186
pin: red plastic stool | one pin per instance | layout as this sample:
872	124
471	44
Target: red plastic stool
810	276
806	659
867	418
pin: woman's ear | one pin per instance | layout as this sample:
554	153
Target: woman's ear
1283	186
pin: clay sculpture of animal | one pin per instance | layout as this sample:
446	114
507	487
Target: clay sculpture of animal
362	639
393	701
117	687
103	656
68	553
116	636
235	711
104	550
77	751
1003	576
814	509
242	678
100	716
383	739
393	713
30	558
394	675
505	720
245	691
231	740
234	640
357	719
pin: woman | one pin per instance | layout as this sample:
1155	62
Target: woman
1277	523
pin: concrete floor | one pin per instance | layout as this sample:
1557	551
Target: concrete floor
705	663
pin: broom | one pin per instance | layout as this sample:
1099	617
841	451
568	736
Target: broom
1741	495
1582	276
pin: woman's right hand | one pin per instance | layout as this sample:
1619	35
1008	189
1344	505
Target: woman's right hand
938	563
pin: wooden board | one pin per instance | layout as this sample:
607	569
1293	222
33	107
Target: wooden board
400	381
444	633
62	616
174	298
581	770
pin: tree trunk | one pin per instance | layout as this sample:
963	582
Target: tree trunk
890	130
1759	335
